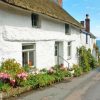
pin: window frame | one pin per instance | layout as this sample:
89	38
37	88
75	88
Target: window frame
35	19
28	51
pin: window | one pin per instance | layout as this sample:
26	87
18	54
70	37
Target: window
28	54
67	32
69	49
56	49
86	38
35	20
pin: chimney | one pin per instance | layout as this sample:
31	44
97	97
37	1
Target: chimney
87	23
60	2
82	22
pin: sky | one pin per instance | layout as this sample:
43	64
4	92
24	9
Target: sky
79	8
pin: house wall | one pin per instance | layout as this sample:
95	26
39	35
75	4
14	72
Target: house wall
75	36
45	54
44	49
83	39
11	16
52	25
10	49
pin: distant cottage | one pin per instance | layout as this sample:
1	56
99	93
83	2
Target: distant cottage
41	33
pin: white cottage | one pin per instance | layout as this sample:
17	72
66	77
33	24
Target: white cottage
87	38
39	33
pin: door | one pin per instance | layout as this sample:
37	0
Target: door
57	53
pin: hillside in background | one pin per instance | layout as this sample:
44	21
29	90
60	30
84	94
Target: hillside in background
98	43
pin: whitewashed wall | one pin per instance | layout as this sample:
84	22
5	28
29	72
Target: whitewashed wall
75	36
13	17
17	17
45	50
52	25
45	54
10	49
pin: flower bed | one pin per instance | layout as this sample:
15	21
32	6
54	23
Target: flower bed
17	79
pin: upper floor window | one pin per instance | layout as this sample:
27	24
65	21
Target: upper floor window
35	20
86	38
67	29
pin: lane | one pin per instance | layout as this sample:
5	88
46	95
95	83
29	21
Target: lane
90	90
92	93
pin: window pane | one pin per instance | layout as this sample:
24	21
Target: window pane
31	58
69	50
69	43
34	18
56	51
66	28
27	47
25	58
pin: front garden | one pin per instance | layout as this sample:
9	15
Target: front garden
15	79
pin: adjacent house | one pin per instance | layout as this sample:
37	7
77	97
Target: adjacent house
88	39
40	33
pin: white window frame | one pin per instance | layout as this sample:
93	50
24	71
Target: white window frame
28	50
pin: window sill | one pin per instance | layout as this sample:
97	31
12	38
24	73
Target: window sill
67	34
35	26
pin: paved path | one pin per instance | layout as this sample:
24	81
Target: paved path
90	90
74	90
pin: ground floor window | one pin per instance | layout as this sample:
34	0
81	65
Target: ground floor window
28	54
69	49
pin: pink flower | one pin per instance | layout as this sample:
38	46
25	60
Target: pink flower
12	82
22	75
51	70
4	76
62	65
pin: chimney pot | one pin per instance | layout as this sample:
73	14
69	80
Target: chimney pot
87	16
82	22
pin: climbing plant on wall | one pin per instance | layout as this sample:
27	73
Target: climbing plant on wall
86	60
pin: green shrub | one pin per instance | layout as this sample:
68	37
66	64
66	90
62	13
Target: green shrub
44	79
67	74
27	68
59	75
1	84
86	60
12	67
77	70
39	80
30	82
44	70
5	87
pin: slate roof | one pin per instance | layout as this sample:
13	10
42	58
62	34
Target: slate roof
45	7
